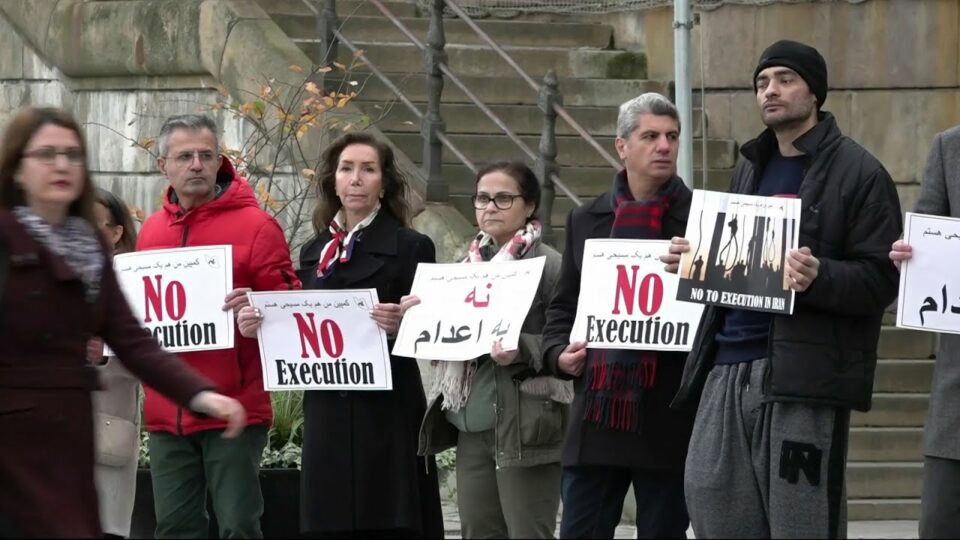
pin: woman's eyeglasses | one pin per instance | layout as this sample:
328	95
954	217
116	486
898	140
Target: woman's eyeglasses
503	201
48	155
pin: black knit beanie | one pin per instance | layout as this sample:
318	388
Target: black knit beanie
804	59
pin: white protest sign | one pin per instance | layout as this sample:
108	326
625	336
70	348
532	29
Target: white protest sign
628	301
321	340
738	249
929	282
177	295
465	307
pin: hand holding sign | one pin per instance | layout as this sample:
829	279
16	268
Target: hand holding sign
236	299
248	321
502	357
678	246
573	358
900	251
802	268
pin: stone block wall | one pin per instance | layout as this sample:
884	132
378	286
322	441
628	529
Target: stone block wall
894	69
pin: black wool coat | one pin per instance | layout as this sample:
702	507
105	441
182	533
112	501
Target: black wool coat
360	470
665	432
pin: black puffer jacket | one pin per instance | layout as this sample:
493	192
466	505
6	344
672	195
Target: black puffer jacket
826	352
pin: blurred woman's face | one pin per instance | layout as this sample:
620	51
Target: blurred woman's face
52	169
109	230
500	209
359	180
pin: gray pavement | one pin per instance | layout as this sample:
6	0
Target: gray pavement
857	529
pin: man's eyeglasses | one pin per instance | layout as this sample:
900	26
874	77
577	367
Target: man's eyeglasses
503	201
48	155
186	158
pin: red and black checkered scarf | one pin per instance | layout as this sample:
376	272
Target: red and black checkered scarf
617	378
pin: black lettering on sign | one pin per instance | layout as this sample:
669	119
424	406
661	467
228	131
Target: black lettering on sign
800	456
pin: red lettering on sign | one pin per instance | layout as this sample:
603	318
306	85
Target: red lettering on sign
173	301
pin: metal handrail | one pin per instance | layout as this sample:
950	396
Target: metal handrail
358	53
482	106
456	80
561	112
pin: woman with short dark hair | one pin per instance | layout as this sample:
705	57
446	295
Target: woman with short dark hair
505	418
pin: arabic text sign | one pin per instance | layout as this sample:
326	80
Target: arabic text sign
321	340
929	283
628	301
465	307
177	295
738	249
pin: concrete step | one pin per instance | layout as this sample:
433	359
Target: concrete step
521	119
884	480
474	60
570	149
883	509
903	376
886	444
905	343
379	29
893	410
506	88
345	8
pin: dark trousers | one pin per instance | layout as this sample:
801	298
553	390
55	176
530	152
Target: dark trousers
940	502
593	502
184	467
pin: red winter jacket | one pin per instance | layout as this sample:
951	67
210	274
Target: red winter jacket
261	261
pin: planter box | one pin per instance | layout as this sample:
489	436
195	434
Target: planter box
281	505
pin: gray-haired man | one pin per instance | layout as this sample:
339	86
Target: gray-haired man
208	203
603	454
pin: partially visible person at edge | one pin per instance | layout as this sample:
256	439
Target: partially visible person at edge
940	498
360	473
208	203
505	420
769	447
119	396
604	455
59	290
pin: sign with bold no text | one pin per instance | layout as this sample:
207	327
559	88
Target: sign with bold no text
321	340
177	295
628	301
929	285
465	307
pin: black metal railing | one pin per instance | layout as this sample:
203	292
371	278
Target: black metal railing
432	126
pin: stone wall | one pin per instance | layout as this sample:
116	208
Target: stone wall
122	67
894	68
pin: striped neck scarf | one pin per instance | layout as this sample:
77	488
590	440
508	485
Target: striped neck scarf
340	247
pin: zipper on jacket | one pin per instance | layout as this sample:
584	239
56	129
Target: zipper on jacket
516	386
496	437
183	243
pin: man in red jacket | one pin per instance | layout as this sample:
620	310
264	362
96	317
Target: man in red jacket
207	203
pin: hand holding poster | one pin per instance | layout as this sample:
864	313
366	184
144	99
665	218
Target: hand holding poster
627	300
929	283
738	250
321	340
465	307
177	295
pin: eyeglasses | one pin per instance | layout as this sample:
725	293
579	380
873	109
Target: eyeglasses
186	158
503	201
48	155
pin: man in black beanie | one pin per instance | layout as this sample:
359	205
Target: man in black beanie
768	452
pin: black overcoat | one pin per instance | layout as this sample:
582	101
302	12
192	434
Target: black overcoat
360	470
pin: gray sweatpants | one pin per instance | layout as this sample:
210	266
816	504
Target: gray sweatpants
764	470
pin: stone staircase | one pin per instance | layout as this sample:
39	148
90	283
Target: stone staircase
594	78
885	460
